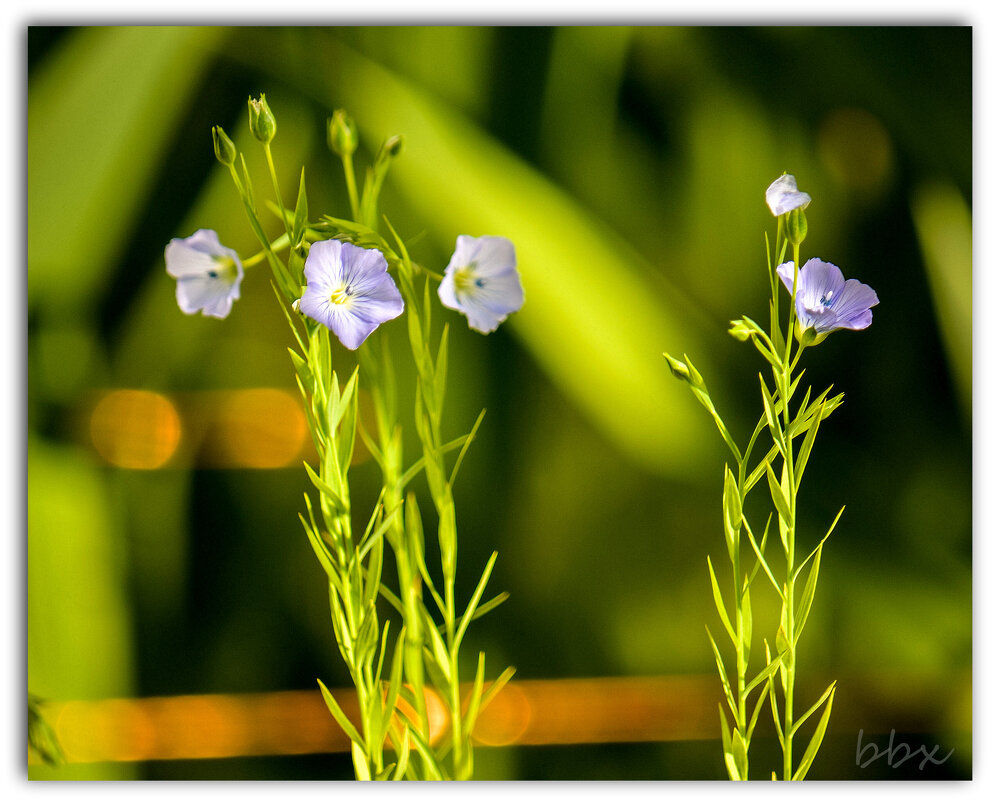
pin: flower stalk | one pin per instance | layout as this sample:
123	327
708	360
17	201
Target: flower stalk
822	302
337	275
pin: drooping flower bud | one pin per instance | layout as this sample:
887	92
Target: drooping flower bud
261	120
342	134
742	330
223	147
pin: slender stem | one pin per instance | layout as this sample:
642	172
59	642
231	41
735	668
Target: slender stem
352	186
277	246
275	186
788	475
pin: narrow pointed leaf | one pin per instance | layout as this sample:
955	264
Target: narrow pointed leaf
340	717
806	450
781	502
820	732
717	596
722	677
473	603
808	593
475	700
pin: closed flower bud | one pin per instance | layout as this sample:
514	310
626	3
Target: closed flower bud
796	226
741	330
393	146
223	147
342	135
261	120
678	369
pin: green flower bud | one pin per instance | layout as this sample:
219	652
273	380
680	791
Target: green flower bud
393	146
261	120
678	369
796	226
223	147
342	135
741	330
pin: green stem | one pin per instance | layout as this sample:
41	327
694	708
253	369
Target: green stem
275	186
352	186
788	475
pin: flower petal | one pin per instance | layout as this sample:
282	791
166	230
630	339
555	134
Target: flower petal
349	290
854	304
786	272
210	295
819	282
481	281
783	196
208	274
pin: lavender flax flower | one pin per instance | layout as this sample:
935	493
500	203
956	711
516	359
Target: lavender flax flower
783	196
349	290
481	281
825	301
208	275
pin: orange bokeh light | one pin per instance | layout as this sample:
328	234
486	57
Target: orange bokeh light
135	429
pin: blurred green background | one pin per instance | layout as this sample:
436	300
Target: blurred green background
628	165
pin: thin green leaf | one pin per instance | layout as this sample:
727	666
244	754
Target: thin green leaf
402	762
326	489
417	466
758	471
439	651
747	623
731	766
289	319
340	717
771	417
493	689
425	751
765	674
759	551
440	366
473	603
781	501
302	209
724	731
722	677
377	534
485	608
820	732
808	593
717	596
755	714
384	640
740	754
774	700
395	682
806	450
464	448
821	542
323	554
475	699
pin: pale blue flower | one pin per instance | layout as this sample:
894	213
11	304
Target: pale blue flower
481	281
349	290
208	275
783	196
825	301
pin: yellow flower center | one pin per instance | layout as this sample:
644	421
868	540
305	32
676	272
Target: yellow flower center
340	296
225	270
465	281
